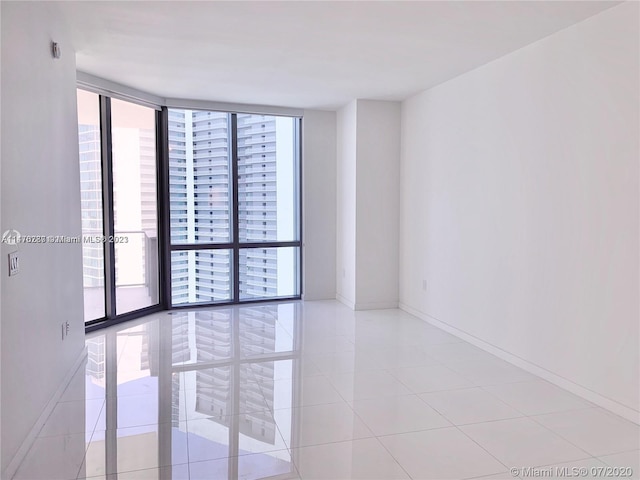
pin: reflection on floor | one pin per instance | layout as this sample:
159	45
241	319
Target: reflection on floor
313	390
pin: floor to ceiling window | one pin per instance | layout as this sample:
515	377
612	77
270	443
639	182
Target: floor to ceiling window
234	206
201	212
119	206
91	204
135	205
225	227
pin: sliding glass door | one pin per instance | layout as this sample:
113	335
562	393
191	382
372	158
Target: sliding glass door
234	207
135	206
119	206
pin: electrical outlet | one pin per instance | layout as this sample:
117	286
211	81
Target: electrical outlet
65	330
14	266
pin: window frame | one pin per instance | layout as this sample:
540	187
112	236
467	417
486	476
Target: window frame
163	173
235	245
111	316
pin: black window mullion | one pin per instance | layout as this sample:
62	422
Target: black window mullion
232	245
298	165
202	246
164	222
294	243
236	244
236	217
107	206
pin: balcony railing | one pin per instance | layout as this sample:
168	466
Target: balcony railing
137	261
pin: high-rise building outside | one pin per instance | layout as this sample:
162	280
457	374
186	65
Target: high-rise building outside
201	205
200	179
91	203
134	196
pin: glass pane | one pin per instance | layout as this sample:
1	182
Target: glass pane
267	178
134	205
91	204
201	276
199	177
269	272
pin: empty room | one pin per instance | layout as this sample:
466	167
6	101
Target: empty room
319	240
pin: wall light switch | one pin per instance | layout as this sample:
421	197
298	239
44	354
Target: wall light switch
14	266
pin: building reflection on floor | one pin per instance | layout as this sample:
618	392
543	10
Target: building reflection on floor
197	390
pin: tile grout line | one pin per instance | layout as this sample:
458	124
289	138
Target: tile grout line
385	368
484	449
86	450
188	434
533	418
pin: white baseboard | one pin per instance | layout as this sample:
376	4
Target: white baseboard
17	459
346	301
366	305
593	397
375	305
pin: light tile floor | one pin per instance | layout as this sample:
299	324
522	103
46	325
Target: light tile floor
314	390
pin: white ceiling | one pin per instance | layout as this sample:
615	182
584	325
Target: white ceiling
303	54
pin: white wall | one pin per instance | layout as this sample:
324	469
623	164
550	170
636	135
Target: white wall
377	193
520	205
346	205
368	200
40	195
319	204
